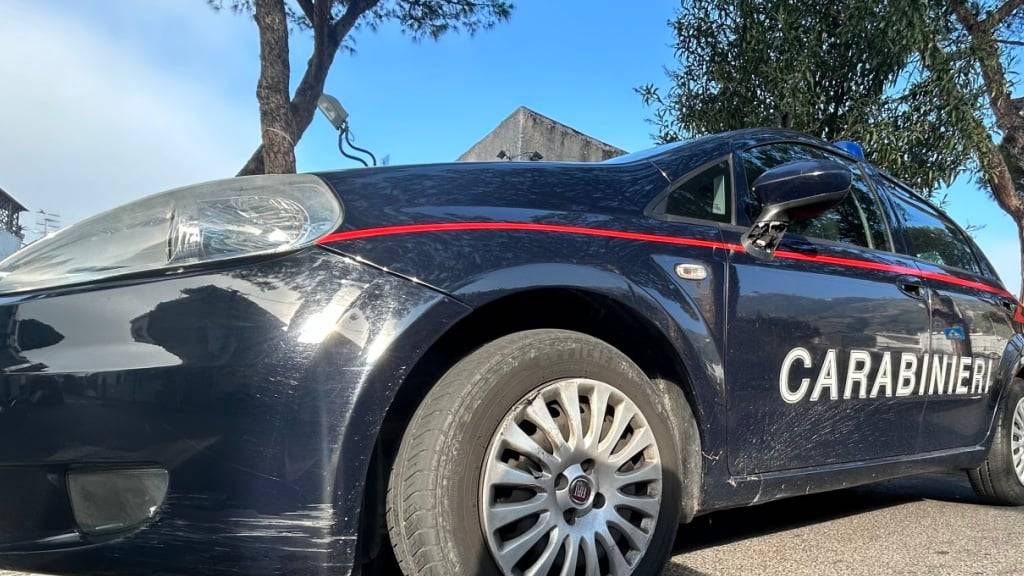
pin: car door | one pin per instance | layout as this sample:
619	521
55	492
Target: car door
820	337
971	322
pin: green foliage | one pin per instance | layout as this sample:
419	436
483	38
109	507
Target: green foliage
435	18
888	73
419	19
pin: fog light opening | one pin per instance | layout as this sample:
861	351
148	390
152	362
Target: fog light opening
109	501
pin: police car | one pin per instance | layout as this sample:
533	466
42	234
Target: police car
499	368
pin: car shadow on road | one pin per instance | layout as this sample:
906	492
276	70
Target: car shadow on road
738	524
730	526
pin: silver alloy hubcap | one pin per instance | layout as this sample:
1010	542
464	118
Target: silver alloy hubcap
572	483
1017	440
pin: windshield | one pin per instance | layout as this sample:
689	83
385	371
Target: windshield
646	154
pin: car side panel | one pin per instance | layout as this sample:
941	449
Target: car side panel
968	326
480	267
972	316
803	299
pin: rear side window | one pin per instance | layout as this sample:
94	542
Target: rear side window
858	220
928	234
706	195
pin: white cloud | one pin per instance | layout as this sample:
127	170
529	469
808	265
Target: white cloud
89	120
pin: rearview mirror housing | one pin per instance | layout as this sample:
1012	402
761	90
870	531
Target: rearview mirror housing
793	192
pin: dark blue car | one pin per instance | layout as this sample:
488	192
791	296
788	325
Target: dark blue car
500	368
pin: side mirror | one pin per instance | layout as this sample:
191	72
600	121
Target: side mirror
792	192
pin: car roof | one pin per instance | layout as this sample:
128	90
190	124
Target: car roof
744	138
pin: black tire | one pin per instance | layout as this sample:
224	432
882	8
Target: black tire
433	501
996	481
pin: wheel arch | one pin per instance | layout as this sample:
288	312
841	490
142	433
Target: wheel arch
604	316
610	310
1013	356
1011	366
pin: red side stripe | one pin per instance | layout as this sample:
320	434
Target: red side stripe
894	268
558	228
463	226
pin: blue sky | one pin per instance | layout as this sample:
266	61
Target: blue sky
117	99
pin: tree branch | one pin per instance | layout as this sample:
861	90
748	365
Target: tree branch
997	16
1010	42
327	39
307	9
996	163
254	165
348	20
968	19
992	71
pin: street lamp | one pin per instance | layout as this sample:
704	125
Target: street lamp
336	114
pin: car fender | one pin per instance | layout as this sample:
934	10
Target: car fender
671	310
1010	366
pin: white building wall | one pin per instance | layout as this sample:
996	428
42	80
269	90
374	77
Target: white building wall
9	243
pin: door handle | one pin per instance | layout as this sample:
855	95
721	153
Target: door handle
912	287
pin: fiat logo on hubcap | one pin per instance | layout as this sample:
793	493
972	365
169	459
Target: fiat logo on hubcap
579	491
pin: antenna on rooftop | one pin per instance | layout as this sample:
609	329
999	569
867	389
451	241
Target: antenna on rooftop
46	223
531	156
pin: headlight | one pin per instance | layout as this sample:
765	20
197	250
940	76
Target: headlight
197	224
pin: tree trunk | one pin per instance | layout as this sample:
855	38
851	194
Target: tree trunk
1007	191
999	164
278	132
327	38
1020	238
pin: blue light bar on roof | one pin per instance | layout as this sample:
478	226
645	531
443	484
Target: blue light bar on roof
850	147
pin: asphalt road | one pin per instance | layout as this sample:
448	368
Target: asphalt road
930	525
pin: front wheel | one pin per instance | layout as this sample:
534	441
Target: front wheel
544	452
1000	480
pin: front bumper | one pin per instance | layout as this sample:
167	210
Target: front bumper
257	388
